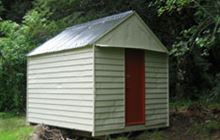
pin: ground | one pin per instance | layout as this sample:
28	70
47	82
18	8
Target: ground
188	121
12	127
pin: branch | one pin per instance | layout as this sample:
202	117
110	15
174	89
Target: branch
204	9
203	25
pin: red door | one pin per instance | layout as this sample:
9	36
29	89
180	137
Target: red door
135	86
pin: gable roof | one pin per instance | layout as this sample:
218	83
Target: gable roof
80	35
92	32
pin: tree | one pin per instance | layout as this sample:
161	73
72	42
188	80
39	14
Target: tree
189	28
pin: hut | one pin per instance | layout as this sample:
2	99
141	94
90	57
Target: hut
103	77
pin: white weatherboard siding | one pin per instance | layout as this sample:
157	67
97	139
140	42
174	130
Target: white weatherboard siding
60	89
109	90
110	93
156	98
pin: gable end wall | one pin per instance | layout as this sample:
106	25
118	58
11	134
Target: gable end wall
110	92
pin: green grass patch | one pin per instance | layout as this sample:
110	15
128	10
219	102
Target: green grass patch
207	127
180	104
157	135
12	127
185	103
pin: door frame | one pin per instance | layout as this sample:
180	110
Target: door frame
143	122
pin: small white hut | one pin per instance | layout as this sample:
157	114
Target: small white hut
105	76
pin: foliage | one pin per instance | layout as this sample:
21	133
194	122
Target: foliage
44	20
13	127
192	51
189	28
16	41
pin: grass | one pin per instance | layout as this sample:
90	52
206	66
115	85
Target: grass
184	103
208	129
12	127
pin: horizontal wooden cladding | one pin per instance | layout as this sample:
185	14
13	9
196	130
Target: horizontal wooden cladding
109	127
157	122
79	115
111	54
119	91
155	74
61	96
156	106
150	125
82	62
63	53
85	61
60	75
69	102
102	122
109	67
60	85
110	73
109	103
156	96
61	91
109	61
109	85
153	69
62	69
61	80
61	108
156	90
155	101
62	124
103	79
156	80
156	86
156	111
109	97
112	109
62	118
150	79
156	117
110	115
60	57
155	65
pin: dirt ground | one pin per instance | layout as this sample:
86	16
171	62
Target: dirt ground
193	123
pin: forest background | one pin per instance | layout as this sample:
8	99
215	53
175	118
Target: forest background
190	29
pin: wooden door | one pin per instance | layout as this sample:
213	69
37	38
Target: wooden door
135	87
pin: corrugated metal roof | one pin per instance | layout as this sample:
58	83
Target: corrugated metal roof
81	35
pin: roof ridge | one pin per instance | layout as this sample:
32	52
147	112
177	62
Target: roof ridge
104	18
